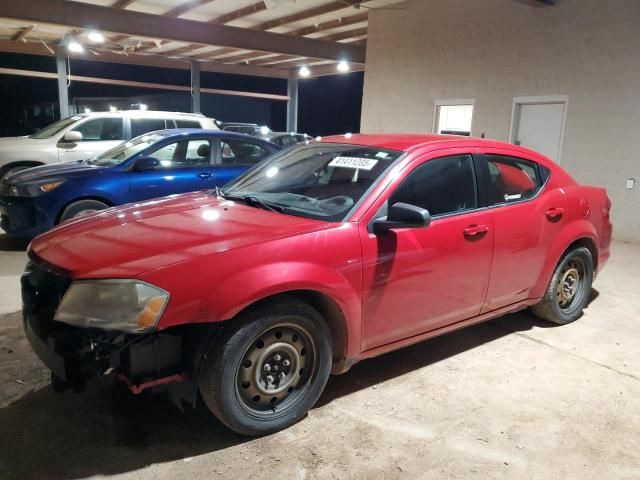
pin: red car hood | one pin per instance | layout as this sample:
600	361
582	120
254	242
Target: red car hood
126	241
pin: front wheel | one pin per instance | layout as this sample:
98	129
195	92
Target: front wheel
268	371
569	289
82	207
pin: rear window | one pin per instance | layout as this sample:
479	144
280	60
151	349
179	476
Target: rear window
140	126
513	179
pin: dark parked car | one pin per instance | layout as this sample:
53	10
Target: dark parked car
151	165
285	139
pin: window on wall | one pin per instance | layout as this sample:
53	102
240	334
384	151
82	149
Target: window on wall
454	117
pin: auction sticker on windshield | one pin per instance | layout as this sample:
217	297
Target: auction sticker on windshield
353	162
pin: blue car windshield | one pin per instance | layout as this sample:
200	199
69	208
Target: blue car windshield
125	150
323	181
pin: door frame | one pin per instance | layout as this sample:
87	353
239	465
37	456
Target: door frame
538	100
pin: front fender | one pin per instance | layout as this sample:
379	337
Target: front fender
250	286
576	230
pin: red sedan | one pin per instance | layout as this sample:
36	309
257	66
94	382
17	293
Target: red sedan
324	255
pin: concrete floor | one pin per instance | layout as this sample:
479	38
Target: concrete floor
514	398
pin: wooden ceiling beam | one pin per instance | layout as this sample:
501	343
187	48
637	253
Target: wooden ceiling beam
357	32
186	7
331	24
122	4
107	19
307	14
32	48
240	13
22	34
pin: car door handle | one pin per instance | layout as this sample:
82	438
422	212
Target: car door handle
554	213
475	230
205	175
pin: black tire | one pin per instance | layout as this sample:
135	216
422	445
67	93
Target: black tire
81	207
565	305
234	381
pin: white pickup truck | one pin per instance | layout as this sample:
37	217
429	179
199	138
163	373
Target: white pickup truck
85	135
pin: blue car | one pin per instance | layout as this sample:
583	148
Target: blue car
152	165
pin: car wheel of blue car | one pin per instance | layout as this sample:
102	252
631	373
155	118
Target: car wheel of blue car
82	207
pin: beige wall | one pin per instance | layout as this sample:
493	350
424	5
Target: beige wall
494	50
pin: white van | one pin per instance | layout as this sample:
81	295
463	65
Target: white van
86	135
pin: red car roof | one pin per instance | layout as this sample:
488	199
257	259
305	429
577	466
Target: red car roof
402	142
405	142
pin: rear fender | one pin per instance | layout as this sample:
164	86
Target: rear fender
576	230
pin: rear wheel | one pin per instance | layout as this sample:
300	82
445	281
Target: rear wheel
82	207
267	372
569	289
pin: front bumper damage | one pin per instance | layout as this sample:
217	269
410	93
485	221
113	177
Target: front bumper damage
77	355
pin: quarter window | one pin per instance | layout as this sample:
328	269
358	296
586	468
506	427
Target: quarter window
101	129
188	124
511	179
234	152
442	186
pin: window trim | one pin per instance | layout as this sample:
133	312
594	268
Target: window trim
480	204
93	118
220	140
452	102
484	168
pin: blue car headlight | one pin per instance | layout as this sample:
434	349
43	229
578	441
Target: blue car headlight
34	189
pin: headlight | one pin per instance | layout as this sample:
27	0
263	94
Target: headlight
34	189
125	305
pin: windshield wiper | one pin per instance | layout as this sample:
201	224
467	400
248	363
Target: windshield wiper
250	200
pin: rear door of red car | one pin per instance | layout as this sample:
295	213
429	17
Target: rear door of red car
526	215
420	279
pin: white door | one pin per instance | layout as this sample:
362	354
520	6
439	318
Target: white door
98	136
539	126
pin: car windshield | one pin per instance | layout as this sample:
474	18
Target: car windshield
56	127
125	150
321	180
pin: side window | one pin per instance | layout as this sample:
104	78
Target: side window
511	179
188	124
184	154
101	129
441	186
140	126
238	152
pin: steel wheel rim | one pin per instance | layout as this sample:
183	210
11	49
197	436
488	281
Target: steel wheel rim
570	285
287	354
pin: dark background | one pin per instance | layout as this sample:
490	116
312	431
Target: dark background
327	105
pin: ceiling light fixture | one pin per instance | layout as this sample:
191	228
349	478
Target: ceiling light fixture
95	37
75	47
304	71
343	66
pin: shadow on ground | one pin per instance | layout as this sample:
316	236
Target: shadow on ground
10	244
107	431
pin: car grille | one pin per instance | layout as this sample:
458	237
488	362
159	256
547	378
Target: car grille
42	291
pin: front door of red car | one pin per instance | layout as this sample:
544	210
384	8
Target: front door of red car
419	279
527	214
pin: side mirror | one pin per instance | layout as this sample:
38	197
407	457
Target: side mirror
145	163
402	215
72	136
